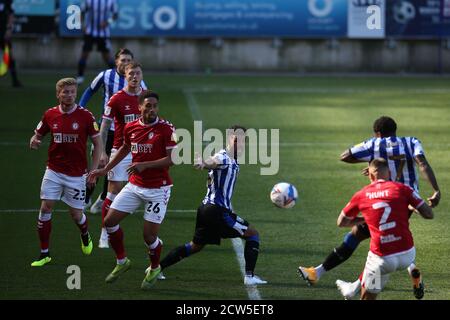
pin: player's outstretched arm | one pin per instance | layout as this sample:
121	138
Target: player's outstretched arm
344	221
428	173
123	151
155	164
347	156
35	141
425	211
210	163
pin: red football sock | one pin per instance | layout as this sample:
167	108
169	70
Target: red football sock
116	241
155	254
83	225
105	207
44	230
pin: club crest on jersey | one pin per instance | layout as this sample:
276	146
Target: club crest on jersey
55	126
150	135
75	126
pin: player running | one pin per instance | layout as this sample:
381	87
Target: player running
402	154
150	140
65	177
385	210
215	217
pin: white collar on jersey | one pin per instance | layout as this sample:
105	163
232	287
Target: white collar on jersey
132	94
148	124
70	111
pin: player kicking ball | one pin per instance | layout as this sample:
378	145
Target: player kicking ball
150	141
384	206
65	177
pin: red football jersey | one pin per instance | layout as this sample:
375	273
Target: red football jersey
67	151
384	206
123	108
150	142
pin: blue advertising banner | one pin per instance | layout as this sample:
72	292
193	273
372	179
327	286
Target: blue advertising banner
418	18
34	7
224	18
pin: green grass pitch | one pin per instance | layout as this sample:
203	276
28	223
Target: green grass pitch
318	118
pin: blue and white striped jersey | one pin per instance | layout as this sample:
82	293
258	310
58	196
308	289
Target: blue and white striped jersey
399	152
96	12
221	181
111	81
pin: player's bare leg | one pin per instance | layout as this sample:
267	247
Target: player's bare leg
44	228
123	264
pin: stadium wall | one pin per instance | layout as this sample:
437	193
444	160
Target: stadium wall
242	55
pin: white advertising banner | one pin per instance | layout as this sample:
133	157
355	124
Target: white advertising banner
366	19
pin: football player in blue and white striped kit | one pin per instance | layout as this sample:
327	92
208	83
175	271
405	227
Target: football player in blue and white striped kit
403	154
215	217
97	16
111	80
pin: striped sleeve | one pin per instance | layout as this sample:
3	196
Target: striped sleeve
222	159
416	147
363	151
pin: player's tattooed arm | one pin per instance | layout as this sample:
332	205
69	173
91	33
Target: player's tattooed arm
428	173
104	128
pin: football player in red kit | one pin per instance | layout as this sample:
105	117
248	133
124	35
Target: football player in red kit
151	141
65	177
384	206
122	108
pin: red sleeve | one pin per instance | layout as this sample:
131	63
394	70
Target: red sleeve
351	210
42	128
413	197
170	137
93	129
110	108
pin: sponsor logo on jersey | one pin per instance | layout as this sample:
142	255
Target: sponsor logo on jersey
130	117
141	147
65	138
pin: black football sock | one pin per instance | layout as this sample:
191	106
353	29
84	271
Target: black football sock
251	252
175	255
337	256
